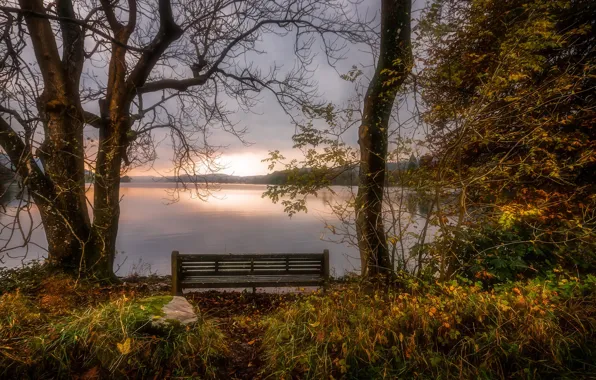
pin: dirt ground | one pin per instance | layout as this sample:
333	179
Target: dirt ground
240	315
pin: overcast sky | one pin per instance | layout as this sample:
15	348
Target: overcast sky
269	127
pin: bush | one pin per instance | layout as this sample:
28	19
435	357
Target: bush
496	254
26	278
541	329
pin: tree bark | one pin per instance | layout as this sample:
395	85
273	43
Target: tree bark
59	191
393	66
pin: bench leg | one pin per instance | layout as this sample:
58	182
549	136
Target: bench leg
176	286
254	290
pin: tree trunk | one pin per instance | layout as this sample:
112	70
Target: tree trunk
60	194
111	150
107	197
393	66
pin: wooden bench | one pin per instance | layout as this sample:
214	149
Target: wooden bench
249	270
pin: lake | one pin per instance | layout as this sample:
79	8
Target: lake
235	219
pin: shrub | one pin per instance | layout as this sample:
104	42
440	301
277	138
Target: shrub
540	329
26	278
495	254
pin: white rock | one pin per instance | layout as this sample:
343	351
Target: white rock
178	309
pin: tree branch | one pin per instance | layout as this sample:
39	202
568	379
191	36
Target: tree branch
184	84
82	23
45	48
173	84
168	32
108	9
14	148
14	114
73	47
92	119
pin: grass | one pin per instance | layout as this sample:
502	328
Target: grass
532	330
84	331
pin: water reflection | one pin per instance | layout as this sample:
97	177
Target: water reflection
234	220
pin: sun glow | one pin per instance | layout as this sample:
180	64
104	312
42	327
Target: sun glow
244	164
238	164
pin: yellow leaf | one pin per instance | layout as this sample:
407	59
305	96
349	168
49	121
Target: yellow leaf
124	347
315	324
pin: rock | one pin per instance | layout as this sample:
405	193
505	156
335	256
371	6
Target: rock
176	312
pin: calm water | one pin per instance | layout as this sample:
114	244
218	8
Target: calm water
233	220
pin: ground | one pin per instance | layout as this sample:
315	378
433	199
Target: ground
60	325
239	315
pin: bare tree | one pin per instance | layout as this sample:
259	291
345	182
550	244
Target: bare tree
144	66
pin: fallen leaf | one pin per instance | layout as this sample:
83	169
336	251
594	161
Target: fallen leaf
124	347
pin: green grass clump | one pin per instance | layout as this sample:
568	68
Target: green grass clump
19	317
114	340
541	329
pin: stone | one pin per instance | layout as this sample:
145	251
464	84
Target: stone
176	312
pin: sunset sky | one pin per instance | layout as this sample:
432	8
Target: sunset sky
269	128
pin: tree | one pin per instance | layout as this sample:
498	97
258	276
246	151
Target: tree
393	66
170	66
373	113
508	88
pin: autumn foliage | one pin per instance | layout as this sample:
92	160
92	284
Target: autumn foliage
509	88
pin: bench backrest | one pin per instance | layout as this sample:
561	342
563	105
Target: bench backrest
279	264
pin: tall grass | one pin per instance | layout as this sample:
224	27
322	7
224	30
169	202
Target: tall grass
536	330
112	340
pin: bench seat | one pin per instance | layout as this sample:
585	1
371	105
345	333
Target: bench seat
257	281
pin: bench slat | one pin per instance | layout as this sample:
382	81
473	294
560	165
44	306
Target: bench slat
270	256
256	267
248	273
252	281
256	263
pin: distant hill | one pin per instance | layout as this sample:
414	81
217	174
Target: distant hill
343	177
